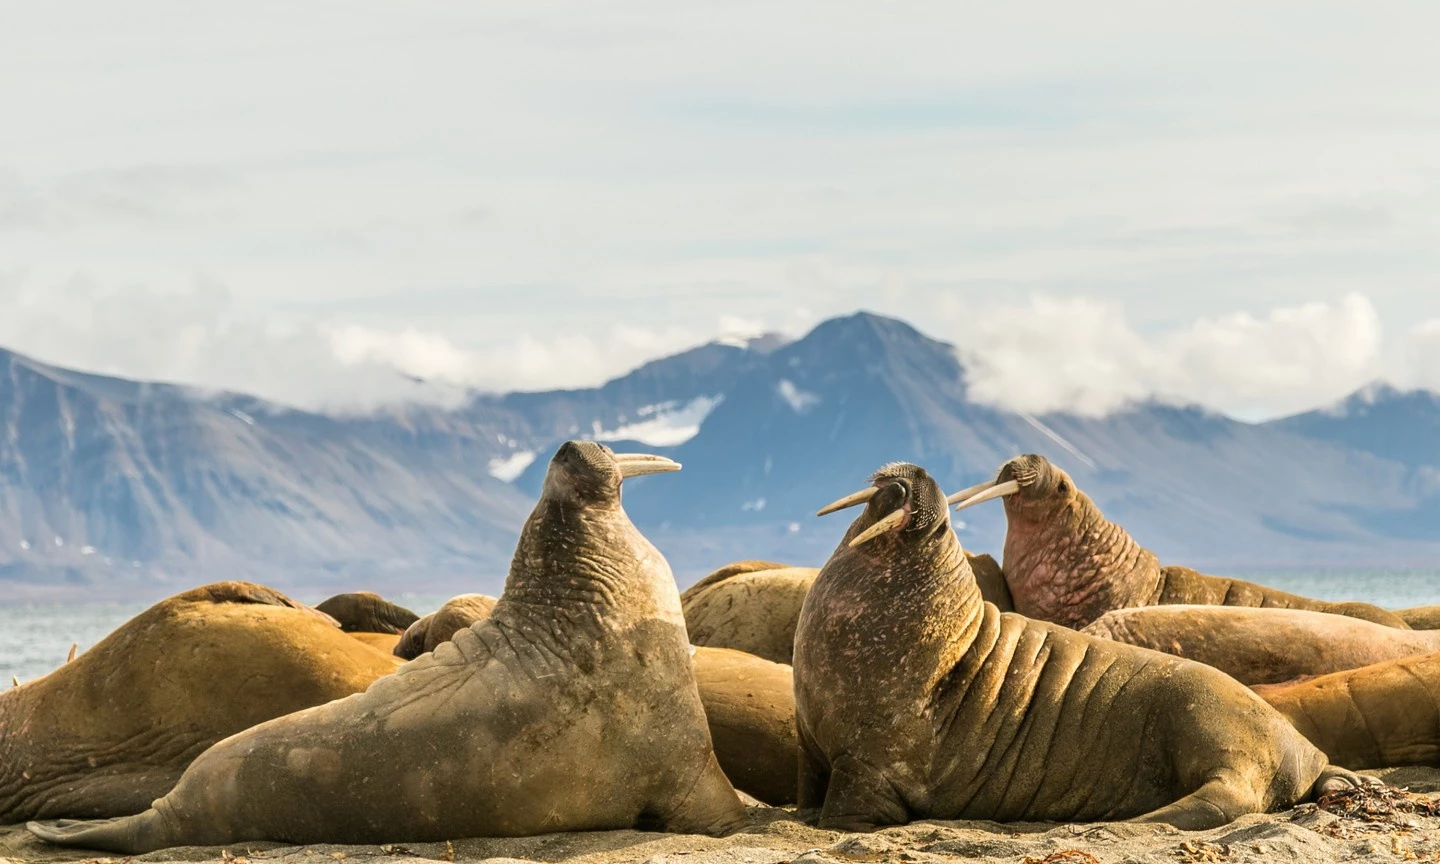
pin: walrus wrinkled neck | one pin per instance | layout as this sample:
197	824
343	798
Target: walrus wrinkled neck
584	566
16	712
1069	564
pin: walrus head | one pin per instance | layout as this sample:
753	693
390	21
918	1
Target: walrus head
1030	481
903	502
591	473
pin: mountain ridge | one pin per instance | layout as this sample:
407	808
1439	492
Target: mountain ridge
167	485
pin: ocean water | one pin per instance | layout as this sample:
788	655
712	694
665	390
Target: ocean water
36	637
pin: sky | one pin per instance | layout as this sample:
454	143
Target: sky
1228	203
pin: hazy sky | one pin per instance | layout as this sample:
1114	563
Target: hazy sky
1233	203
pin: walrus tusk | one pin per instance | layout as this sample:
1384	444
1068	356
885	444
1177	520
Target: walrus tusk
14	680
849	501
892	521
966	493
999	490
640	464
73	646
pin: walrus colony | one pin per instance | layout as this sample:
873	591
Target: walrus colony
575	701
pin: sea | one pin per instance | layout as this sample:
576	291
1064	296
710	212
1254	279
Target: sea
36	637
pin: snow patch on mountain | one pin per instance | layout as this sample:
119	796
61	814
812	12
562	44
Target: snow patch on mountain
665	425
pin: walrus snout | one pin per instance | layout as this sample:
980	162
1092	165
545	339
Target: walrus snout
592	472
1030	473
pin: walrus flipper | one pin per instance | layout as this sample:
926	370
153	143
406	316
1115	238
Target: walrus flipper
1218	802
128	834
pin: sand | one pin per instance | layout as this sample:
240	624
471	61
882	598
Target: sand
1391	826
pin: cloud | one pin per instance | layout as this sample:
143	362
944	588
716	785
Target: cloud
199	336
1082	354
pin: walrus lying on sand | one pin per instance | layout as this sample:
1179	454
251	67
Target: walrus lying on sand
1262	646
572	707
435	629
112	730
367	612
749	702
915	699
1379	716
752	606
1421	617
1065	562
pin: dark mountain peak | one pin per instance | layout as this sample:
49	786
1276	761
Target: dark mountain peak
1384	396
863	330
1381	419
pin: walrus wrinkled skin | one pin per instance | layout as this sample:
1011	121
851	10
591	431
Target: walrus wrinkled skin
435	629
1064	562
367	612
572	707
1263	646
915	699
112	730
1421	617
1380	716
748	610
754	608
749	704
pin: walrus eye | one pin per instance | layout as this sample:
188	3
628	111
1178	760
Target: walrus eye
1063	488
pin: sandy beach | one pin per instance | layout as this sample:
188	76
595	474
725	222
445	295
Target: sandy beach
1386	827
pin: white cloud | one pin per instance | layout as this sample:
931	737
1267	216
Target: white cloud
1081	354
198	335
1419	356
515	199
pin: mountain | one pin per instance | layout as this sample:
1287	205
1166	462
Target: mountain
817	416
1398	425
117	487
109	486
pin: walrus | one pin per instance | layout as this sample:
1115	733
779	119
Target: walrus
916	699
1064	562
1379	716
749	701
750	706
1262	646
367	612
571	707
112	730
1421	617
754	608
385	642
457	613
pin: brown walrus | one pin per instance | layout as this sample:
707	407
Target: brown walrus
572	707
1262	646
915	699
1379	716
749	702
112	730
367	612
753	606
750	706
1421	617
429	632
1066	563
385	642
